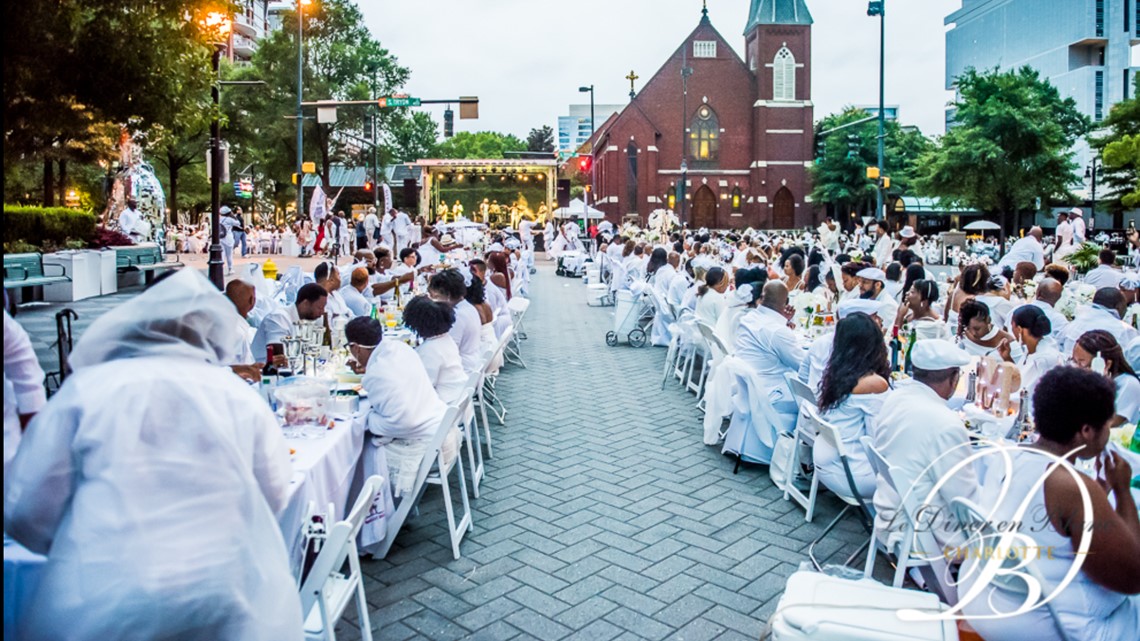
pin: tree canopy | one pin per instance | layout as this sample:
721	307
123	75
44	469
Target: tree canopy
1119	143
540	139
481	144
1011	143
839	176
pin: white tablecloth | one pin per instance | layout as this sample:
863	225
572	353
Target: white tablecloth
323	471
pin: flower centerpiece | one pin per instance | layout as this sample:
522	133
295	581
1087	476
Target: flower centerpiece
1074	296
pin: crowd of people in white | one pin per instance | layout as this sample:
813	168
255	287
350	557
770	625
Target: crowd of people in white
853	331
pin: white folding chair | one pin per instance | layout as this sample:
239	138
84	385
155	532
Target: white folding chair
933	568
512	347
481	401
716	352
805	438
327	591
442	471
496	405
471	437
849	495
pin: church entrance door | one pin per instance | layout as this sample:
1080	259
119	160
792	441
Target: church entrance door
784	210
704	208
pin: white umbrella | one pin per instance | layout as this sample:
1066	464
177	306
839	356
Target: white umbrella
982	225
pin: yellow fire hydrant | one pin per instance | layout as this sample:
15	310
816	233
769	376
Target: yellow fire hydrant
269	269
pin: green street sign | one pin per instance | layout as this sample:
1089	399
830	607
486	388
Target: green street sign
398	101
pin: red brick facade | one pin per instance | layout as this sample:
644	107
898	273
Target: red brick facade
759	146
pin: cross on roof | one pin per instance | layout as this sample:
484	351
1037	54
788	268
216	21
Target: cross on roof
631	78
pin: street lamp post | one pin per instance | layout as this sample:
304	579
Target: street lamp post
300	114
682	190
219	26
1090	174
593	128
878	8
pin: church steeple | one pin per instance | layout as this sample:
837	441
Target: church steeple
705	11
766	12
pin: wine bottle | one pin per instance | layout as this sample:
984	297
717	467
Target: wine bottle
896	347
908	367
1018	427
268	376
326	341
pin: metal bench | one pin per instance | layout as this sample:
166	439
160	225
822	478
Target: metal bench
27	270
144	258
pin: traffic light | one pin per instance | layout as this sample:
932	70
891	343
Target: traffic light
368	185
585	163
853	145
448	123
886	182
872	173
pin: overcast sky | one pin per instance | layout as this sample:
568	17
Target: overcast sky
525	59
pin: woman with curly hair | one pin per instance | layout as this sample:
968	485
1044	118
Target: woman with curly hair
977	333
851	392
432	321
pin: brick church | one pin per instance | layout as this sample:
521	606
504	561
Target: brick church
747	129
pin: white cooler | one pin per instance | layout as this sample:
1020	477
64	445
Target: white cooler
84	269
819	607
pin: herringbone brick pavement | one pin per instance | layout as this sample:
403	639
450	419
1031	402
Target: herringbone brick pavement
602	516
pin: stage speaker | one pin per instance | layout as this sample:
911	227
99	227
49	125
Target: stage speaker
563	191
411	187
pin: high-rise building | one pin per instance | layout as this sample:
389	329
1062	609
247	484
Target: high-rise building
1083	47
250	24
574	129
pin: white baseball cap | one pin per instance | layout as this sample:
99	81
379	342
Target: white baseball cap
872	273
863	305
934	354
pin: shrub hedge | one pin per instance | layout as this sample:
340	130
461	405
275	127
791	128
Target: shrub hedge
47	227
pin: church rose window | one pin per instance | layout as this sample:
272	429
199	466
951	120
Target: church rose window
784	76
704	136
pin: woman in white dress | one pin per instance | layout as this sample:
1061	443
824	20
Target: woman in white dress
919	311
794	273
432	321
1099	342
476	295
1072	410
851	393
977	333
749	286
1035	351
711	301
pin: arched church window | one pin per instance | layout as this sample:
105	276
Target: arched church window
704	136
784	76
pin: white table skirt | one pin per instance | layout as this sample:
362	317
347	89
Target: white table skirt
323	471
22	571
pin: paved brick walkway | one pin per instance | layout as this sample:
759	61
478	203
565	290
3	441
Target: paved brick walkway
603	516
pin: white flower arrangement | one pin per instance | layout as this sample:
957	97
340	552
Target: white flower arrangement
1075	296
805	303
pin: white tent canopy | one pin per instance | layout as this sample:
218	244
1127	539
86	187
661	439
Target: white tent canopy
578	208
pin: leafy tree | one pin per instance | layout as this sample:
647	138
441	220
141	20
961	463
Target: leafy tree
413	138
1011	143
540	139
839	176
481	144
1118	145
342	61
81	77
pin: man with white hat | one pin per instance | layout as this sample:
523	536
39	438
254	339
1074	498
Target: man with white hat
819	354
923	440
873	286
1076	218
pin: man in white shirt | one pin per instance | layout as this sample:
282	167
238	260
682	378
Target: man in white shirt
449	286
769	347
829	235
24	393
1049	291
402	228
353	293
1064	234
371	225
244	297
884	246
388	229
1025	250
923	440
277	324
1105	274
873	286
1077	219
130	219
1104	313
327	275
